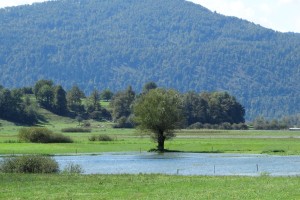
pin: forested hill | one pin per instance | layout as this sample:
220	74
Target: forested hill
177	44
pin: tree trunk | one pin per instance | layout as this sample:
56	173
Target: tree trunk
161	141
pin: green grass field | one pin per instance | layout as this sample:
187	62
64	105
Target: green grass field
62	186
22	186
250	141
280	142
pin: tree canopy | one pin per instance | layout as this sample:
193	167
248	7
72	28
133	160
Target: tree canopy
160	113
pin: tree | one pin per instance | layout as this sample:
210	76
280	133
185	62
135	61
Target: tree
121	103
106	95
225	108
13	107
93	102
159	112
39	84
45	96
195	108
149	86
60	100
74	99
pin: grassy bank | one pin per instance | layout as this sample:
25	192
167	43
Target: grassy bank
23	186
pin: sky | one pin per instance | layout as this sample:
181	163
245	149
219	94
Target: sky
280	15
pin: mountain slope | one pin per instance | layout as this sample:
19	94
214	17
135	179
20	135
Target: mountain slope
115	43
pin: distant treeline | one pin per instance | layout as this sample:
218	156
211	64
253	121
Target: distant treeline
16	105
211	110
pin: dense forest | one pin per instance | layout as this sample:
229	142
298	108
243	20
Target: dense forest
99	44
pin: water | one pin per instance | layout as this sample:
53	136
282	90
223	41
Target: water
185	164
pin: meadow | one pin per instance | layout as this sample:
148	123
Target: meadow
155	186
222	141
24	186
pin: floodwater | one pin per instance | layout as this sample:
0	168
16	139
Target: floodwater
185	164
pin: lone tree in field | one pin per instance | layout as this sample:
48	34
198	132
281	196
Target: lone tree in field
159	112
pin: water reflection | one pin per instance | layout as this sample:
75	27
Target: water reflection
185	164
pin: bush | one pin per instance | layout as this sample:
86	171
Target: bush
60	138
76	130
240	126
86	124
124	122
29	164
223	126
72	168
196	125
105	138
102	115
42	135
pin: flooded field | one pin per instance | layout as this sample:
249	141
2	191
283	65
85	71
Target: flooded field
185	164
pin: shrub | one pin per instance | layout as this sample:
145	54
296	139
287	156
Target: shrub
225	126
240	126
86	124
72	168
96	115
196	125
102	115
100	138
124	122
76	130
29	164
34	134
60	138
42	135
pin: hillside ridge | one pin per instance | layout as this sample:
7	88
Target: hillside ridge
175	43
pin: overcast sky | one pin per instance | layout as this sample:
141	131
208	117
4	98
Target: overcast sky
280	15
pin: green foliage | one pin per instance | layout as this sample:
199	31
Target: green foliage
160	112
121	104
101	137
149	86
223	126
224	108
102	115
261	123
195	108
60	100
93	102
45	96
124	122
14	108
29	164
106	95
51	97
74	97
72	168
42	135
39	84
76	130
